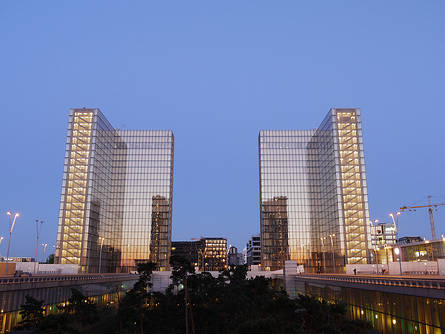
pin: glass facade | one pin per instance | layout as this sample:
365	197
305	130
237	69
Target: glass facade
116	196
208	254
214	254
313	194
147	166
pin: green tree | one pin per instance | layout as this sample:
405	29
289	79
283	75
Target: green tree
31	312
81	307
134	305
50	259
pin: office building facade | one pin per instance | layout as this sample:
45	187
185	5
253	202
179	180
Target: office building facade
116	201
214	256
383	234
253	251
234	258
313	195
207	254
190	250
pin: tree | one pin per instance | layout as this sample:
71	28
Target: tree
133	306
31	311
50	259
181	267
81	307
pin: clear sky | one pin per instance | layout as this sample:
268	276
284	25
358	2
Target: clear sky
216	72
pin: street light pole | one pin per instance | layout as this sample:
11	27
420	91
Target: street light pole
324	254
396	224
11	228
333	256
100	254
1	239
37	244
398	252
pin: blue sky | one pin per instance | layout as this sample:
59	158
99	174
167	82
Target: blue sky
216	73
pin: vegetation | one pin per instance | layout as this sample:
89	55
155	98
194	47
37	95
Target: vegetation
31	312
199	304
50	259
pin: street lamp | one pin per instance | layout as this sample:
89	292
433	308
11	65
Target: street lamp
397	250
11	228
100	254
37	243
396	224
332	247
1	239
324	254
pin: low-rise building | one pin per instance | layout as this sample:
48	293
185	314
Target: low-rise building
190	250
17	259
423	250
234	258
409	240
215	254
254	250
383	234
208	254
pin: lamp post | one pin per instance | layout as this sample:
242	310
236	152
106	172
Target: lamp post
11	228
37	243
396	224
332	247
398	252
324	254
100	254
1	239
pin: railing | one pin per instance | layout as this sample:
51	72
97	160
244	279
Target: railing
431	283
59	278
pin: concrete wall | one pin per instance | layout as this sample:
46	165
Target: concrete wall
441	266
43	268
414	268
366	268
160	280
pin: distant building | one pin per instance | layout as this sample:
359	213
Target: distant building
190	250
18	259
383	234
245	255
234	258
214	254
254	251
409	240
423	250
208	254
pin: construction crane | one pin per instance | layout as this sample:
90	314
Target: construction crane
430	211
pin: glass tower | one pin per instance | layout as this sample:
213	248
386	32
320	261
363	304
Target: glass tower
116	202
313	195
